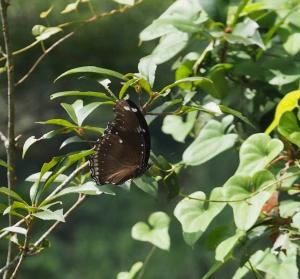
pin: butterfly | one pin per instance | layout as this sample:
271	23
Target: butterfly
123	151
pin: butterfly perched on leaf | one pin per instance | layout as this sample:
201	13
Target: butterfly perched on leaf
123	151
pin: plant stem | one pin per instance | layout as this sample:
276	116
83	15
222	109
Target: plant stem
146	261
10	148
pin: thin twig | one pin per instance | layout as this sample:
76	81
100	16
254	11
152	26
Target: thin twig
146	261
65	183
80	199
24	251
9	265
10	148
45	53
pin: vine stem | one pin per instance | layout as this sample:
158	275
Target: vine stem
10	146
147	259
243	199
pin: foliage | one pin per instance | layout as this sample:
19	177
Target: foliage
234	62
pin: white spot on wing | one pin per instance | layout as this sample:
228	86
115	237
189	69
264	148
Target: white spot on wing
126	108
120	141
134	109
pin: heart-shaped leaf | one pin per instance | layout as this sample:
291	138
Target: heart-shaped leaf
179	129
210	142
226	246
156	233
289	127
256	152
132	273
247	196
193	212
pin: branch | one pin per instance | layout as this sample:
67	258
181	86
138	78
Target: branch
65	183
80	199
10	148
46	52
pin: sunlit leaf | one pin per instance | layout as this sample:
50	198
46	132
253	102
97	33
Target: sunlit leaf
15	229
287	103
136	267
289	127
256	152
47	214
211	141
292	45
195	214
80	93
247	196
70	7
156	233
179	129
45	14
92	70
226	246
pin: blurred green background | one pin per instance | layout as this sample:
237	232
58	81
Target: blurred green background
95	242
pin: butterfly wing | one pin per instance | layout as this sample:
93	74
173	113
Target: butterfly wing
123	151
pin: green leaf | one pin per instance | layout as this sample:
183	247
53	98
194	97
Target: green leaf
70	7
147	184
282	266
156	233
88	188
226	246
70	109
289	127
70	140
288	208
245	33
292	45
210	142
5	165
236	114
281	79
256	152
195	213
85	111
15	229
12	194
204	83
47	214
31	140
45	33
92	70
247	196
136	267
169	45
287	103
125	2
37	177
80	93
59	122
179	129
178	10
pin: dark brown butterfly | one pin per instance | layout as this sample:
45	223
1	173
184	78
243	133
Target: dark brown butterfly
123	151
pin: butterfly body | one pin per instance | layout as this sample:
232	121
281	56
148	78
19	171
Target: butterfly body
123	151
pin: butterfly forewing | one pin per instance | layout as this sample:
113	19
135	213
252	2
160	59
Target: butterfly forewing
123	151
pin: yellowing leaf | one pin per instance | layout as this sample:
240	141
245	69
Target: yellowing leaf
288	103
